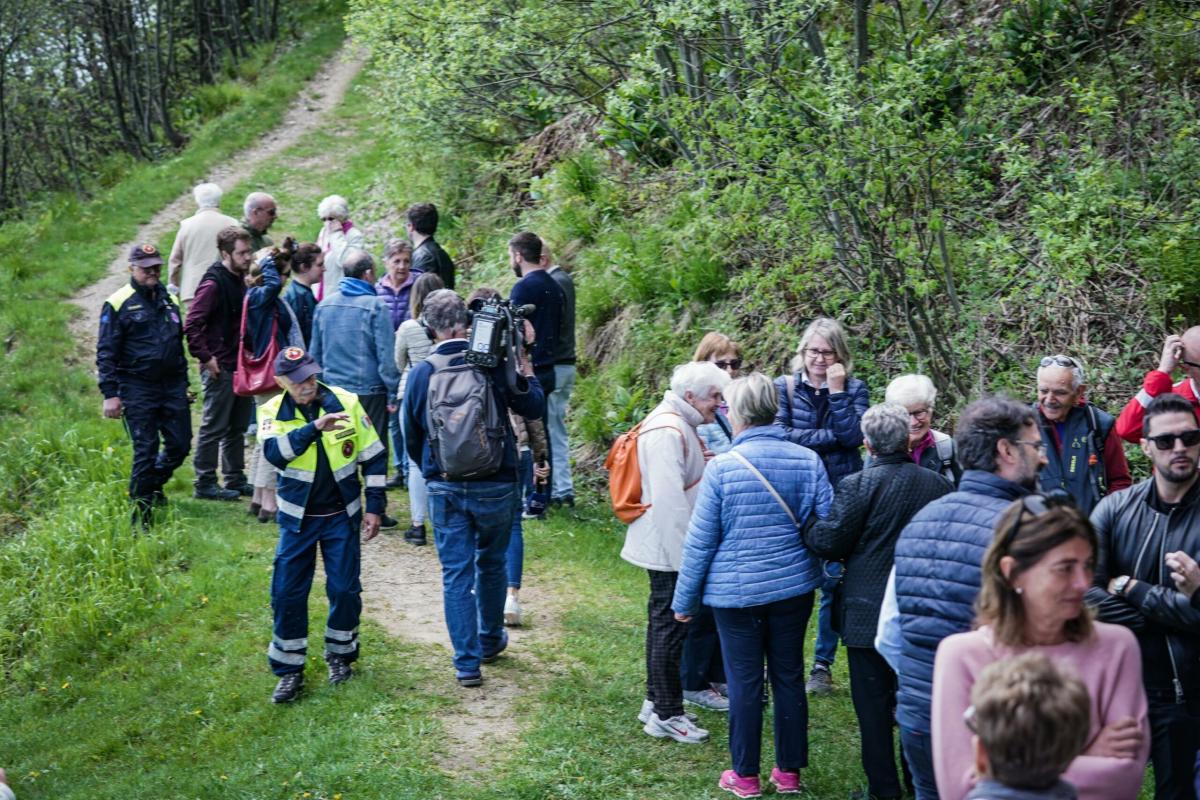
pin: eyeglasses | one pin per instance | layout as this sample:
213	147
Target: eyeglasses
1166	441
813	352
1039	445
1036	504
1061	361
1187	363
329	219
735	364
920	413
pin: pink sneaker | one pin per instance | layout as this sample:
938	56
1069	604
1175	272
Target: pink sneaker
786	782
742	787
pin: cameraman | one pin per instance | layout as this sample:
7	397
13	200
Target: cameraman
472	519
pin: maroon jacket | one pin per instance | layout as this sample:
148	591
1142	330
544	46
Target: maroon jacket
214	318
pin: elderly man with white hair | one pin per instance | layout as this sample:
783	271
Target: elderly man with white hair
671	458
929	448
337	235
260	212
195	248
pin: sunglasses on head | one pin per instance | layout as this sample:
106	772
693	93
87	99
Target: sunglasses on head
1060	361
735	364
1037	504
1166	441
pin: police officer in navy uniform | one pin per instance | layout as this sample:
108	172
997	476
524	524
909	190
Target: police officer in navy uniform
143	377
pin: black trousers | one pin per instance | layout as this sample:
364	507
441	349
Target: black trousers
664	646
700	665
873	691
160	425
1174	742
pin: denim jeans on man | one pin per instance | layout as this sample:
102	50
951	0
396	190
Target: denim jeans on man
1174	739
556	427
917	749
514	558
827	638
472	521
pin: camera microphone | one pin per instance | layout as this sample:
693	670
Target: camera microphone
527	310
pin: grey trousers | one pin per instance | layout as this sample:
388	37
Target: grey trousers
222	428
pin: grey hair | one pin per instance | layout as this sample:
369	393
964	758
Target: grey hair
444	311
355	262
1077	376
333	206
911	390
885	426
207	195
752	400
831	331
701	378
983	424
254	200
395	245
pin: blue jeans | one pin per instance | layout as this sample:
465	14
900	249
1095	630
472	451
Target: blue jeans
514	559
291	580
775	630
472	522
918	753
399	455
827	639
556	429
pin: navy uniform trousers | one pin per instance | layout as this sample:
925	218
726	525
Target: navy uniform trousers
159	422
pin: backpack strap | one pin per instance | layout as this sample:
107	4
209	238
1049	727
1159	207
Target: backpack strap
1098	476
763	480
945	451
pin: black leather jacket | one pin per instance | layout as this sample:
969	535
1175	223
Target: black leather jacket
1135	536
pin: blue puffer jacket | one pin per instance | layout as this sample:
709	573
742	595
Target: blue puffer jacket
742	549
836	435
938	558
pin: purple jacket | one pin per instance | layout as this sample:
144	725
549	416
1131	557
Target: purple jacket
397	299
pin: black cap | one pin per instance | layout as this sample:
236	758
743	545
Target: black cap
296	365
145	255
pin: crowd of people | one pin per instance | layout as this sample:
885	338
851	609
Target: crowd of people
1026	615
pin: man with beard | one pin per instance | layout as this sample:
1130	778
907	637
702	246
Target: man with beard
1085	455
931	593
1137	529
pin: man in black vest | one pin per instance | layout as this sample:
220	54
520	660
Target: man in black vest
1085	455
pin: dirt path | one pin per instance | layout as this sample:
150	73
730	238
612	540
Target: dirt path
321	95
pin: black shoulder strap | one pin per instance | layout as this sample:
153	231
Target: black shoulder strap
1098	447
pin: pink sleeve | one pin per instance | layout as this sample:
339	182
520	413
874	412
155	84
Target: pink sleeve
1098	776
953	753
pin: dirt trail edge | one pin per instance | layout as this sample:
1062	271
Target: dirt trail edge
319	96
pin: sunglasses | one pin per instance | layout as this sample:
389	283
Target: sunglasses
735	364
329	219
1166	441
1037	504
1061	361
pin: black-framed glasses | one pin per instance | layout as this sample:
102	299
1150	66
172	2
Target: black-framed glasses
735	364
1037	504
1166	441
825	354
920	413
1060	361
1187	363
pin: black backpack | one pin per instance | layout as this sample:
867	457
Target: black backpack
466	428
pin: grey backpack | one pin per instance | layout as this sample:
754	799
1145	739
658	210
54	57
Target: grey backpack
466	429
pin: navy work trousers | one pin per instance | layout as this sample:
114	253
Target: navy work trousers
160	425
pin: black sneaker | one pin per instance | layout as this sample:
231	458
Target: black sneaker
215	493
566	500
158	499
396	481
339	669
415	535
387	523
288	688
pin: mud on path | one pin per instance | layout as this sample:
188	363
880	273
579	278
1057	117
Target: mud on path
322	94
402	591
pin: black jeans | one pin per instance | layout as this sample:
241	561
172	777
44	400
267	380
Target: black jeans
701	664
873	690
664	645
776	631
156	413
222	430
1174	742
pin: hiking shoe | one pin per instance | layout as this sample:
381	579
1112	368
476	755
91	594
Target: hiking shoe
215	493
786	781
721	689
288	688
387	523
265	516
565	500
491	654
679	728
742	787
396	481
415	535
820	680
512	612
243	490
339	669
469	678
648	709
707	698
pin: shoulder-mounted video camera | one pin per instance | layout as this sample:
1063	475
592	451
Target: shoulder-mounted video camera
497	330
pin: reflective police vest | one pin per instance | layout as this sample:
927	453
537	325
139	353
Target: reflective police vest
287	439
1079	468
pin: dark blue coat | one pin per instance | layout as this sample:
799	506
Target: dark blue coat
938	558
835	435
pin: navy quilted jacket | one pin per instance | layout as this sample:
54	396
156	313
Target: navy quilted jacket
938	558
835	435
741	548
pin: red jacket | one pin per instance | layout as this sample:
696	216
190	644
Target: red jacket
1129	424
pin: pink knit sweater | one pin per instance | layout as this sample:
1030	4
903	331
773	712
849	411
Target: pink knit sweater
1109	664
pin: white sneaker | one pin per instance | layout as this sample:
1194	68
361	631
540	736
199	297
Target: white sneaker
679	728
707	698
512	612
648	709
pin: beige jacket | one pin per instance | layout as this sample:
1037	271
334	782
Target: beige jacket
671	458
195	249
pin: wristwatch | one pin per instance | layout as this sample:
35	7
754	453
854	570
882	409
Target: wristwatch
1119	586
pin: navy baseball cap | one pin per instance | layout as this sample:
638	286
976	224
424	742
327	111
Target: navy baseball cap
145	255
296	365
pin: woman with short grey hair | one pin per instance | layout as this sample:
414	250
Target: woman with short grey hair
337	235
931	449
869	511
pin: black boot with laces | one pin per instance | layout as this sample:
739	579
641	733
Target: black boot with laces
339	669
288	688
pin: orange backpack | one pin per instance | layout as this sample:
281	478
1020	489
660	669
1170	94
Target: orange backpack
625	473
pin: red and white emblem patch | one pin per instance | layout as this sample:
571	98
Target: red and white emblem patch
348	448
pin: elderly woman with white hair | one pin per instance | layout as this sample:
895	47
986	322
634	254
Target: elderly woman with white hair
337	235
929	448
671	460
745	559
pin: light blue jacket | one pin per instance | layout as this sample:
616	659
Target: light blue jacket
353	340
741	549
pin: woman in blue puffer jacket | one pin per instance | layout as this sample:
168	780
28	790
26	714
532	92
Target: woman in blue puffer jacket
744	558
821	407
